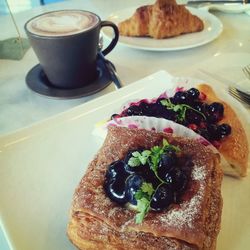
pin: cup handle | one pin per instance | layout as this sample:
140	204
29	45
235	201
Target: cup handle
114	40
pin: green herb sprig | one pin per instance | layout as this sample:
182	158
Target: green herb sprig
151	157
143	197
180	109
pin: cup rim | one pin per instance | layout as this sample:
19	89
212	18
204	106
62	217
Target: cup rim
60	36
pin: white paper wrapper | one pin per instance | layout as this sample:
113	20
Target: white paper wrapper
157	125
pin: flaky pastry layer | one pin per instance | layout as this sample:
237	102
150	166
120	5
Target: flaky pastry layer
235	147
98	223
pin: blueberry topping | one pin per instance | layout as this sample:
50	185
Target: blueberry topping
162	198
145	108
189	109
149	178
115	189
194	117
216	107
134	110
114	184
197	106
115	169
213	132
133	184
167	162
181	97
178	179
214	112
193	93
224	130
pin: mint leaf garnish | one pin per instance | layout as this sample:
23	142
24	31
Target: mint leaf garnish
147	188
136	154
134	162
139	158
180	109
177	108
151	157
143	197
143	206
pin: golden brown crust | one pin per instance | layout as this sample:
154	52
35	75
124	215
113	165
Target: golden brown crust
98	223
162	20
234	147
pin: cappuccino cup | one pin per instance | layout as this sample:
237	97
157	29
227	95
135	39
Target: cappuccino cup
66	45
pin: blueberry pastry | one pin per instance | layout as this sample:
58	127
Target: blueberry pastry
146	190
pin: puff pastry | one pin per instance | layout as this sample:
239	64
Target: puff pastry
162	20
98	223
234	148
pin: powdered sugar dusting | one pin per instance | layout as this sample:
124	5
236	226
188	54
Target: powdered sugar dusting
185	214
199	174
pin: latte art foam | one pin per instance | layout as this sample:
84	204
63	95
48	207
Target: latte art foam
62	23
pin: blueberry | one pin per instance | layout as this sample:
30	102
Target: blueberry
114	184
115	189
168	159
150	177
177	179
216	107
214	112
133	184
162	198
155	110
197	106
224	130
168	114
213	118
181	97
145	108
213	132
134	110
115	169
166	162
193	93
193	117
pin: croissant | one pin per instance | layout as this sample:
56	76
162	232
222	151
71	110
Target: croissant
162	20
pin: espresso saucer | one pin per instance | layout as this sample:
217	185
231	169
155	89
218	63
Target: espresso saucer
37	81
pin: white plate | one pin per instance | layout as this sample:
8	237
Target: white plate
40	167
212	29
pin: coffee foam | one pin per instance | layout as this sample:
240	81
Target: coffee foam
62	23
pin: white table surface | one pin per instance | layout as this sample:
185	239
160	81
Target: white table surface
20	107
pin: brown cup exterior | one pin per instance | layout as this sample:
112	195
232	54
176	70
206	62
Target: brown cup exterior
71	61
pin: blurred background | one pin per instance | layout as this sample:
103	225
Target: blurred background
21	5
